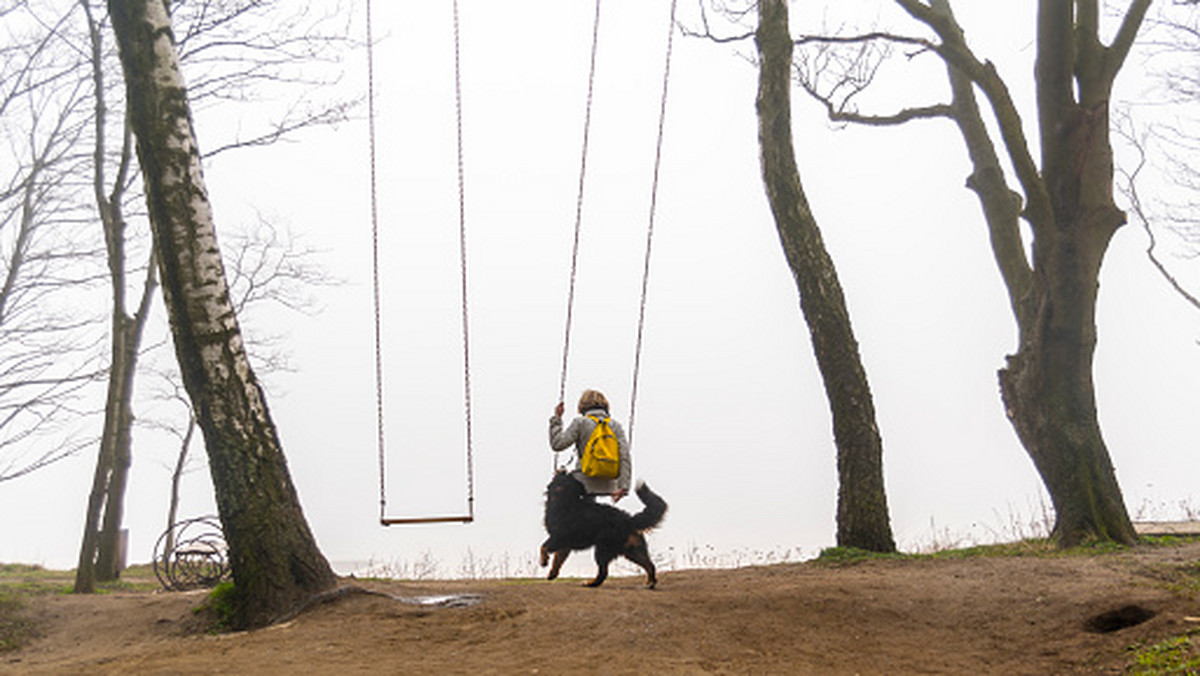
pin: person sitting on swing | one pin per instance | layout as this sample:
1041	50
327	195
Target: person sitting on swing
592	403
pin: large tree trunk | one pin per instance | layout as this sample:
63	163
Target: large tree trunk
274	558
1047	386
1050	399
862	513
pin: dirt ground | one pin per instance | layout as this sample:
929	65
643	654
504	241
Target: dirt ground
987	615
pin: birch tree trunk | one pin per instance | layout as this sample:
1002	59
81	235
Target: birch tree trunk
862	513
273	555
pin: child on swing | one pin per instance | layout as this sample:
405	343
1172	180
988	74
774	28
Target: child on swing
591	403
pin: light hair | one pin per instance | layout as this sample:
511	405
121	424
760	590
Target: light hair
591	399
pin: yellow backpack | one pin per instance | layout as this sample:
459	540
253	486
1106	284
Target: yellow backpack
601	455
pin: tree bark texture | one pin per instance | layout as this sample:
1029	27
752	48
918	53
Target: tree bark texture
1047	386
274	558
862	513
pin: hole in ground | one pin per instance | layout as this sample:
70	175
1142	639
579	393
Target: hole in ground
1116	620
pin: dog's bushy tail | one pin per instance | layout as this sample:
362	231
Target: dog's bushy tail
654	510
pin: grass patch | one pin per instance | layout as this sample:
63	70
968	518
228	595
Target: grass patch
1182	580
1035	547
851	555
30	580
15	629
1175	655
1039	547
218	607
21	579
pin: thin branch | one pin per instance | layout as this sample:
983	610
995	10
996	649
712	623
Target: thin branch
840	114
1135	206
708	34
284	129
874	36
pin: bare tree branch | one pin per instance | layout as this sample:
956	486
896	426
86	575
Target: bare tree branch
48	362
954	50
1163	189
707	33
58	161
338	112
1129	188
838	113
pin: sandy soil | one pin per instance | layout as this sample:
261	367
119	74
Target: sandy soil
1011	615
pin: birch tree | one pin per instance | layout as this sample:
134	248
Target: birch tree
243	52
267	269
274	558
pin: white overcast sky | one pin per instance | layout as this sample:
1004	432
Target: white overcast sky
732	424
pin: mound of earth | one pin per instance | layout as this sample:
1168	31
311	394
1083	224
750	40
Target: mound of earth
984	615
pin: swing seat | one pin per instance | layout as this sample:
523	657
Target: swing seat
391	521
376	285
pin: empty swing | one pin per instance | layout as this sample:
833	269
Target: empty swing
641	323
384	519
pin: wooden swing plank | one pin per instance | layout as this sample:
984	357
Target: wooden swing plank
388	521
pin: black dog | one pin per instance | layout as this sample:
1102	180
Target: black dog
575	521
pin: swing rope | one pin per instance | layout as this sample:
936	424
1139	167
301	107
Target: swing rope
379	436
662	115
462	262
641	325
587	123
376	285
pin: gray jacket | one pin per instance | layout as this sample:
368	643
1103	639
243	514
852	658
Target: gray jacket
577	433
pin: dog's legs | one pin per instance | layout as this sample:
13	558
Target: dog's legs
604	556
560	557
636	551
